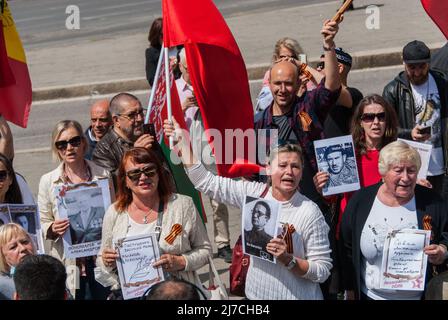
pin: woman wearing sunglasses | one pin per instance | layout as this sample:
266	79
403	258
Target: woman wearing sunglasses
69	146
373	125
9	187
146	204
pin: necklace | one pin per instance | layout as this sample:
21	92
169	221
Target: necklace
69	176
145	217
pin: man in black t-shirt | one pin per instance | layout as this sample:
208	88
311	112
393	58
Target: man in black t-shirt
338	121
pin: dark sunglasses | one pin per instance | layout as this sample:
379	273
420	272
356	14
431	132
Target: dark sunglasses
370	117
74	142
135	174
321	65
3	175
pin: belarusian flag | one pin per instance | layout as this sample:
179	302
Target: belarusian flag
157	114
15	83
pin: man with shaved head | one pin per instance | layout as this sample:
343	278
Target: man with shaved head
301	119
100	122
127	132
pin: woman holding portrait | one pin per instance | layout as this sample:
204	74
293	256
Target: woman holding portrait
69	146
303	264
145	199
395	203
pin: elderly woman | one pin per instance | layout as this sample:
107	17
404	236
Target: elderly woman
69	146
298	269
395	203
15	244
144	197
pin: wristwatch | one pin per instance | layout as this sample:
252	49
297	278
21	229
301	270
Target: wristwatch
291	264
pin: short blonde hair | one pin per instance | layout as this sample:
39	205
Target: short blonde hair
57	131
396	152
286	147
7	232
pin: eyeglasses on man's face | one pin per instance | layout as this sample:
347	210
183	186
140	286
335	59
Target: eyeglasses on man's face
133	115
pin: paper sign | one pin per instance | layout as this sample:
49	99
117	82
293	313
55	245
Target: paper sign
135	270
424	150
404	262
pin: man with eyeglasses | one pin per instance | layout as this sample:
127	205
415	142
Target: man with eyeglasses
256	239
420	97
127	132
100	122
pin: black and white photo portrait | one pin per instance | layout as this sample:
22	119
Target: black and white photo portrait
85	213
260	218
337	157
26	220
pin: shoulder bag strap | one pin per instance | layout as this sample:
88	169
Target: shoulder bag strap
158	228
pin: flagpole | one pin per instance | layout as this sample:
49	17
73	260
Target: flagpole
154	87
168	91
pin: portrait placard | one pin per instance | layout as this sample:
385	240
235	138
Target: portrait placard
84	205
5	217
134	264
404	262
337	157
260	220
28	217
424	150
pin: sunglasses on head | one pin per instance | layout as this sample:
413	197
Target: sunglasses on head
62	144
149	171
370	117
3	175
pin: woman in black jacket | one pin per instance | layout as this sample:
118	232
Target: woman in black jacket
396	203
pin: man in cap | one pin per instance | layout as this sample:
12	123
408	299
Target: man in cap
420	97
338	121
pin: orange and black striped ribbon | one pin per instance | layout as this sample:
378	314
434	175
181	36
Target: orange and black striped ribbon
175	231
288	230
427	224
305	120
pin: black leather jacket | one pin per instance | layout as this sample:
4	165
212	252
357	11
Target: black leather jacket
110	150
398	93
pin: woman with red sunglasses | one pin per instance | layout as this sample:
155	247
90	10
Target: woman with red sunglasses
69	146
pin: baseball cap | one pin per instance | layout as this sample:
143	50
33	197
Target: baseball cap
343	57
416	52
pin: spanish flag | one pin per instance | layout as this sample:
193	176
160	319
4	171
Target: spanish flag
15	83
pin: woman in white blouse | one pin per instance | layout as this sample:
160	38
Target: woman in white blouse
144	197
297	273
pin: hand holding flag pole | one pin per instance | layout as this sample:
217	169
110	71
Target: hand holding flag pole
168	92
338	16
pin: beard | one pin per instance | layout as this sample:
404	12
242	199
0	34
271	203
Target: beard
133	132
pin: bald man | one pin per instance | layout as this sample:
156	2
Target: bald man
100	122
301	118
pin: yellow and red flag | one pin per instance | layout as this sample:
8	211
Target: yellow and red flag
15	83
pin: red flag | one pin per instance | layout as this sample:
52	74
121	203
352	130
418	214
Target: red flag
158	113
217	72
438	11
15	87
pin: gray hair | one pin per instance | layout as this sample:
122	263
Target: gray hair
116	107
396	152
182	57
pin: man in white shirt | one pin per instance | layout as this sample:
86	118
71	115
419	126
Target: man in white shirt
420	97
193	119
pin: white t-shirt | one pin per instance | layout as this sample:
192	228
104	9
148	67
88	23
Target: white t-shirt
427	113
137	229
380	221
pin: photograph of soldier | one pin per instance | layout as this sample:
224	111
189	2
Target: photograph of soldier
340	167
259	225
85	213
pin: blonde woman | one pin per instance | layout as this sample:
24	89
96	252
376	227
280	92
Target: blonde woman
15	244
69	146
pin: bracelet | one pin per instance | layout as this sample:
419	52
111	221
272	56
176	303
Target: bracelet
328	48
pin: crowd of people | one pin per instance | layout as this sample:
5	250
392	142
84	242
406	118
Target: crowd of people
337	246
